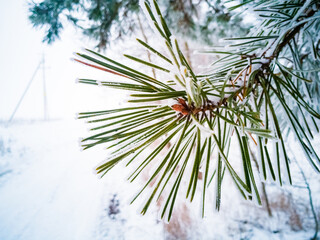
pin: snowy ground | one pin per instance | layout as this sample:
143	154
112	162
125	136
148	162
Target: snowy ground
50	194
48	191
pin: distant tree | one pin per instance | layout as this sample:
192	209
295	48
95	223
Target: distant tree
97	19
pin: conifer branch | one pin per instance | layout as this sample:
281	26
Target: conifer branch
243	97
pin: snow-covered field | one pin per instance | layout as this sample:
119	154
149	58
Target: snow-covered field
48	191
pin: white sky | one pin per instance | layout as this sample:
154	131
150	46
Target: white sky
22	48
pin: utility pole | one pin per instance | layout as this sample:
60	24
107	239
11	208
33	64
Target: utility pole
45	107
24	93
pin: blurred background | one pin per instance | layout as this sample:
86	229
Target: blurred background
48	189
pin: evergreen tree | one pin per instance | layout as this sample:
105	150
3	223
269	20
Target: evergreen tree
100	17
264	86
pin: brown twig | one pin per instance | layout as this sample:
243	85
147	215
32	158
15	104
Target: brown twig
100	68
315	217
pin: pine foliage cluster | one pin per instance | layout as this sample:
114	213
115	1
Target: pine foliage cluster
97	19
263	87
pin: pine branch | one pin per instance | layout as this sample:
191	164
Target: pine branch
291	34
245	96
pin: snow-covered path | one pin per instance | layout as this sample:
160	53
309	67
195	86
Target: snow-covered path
54	195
